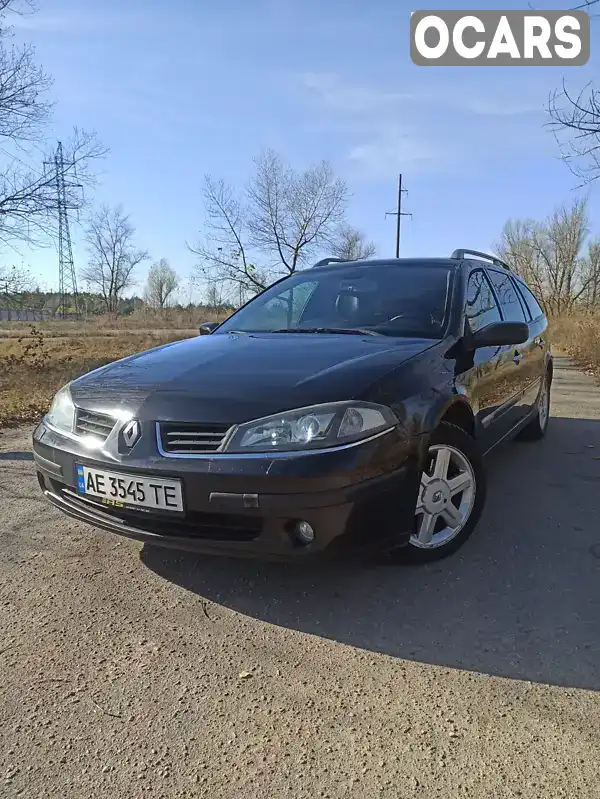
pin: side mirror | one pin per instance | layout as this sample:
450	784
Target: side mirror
207	328
500	334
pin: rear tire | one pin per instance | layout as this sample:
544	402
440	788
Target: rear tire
451	496
536	429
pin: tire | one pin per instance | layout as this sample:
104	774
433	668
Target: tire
455	451
536	429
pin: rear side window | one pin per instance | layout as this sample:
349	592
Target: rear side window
482	308
510	303
535	308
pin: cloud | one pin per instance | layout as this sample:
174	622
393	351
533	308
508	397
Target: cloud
392	151
73	22
329	89
374	121
498	106
417	131
336	96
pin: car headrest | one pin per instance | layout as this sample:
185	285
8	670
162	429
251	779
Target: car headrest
347	305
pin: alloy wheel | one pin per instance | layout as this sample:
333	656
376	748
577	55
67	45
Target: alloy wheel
446	497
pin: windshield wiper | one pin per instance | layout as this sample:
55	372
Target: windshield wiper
349	331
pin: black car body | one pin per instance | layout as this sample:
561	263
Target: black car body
389	356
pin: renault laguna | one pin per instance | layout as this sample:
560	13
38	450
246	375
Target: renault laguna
347	408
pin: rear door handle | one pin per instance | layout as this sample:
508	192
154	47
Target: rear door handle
517	358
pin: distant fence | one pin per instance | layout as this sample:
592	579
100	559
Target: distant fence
32	315
25	315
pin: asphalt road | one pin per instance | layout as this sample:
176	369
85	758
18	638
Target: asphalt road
476	677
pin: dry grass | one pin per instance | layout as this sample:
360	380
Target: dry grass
579	336
34	367
112	325
31	371
37	359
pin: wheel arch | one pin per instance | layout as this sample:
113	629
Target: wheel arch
454	410
460	414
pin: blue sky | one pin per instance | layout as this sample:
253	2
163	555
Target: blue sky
181	88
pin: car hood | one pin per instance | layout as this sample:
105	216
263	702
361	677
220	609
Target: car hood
233	378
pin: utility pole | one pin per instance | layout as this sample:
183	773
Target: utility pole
67	279
399	214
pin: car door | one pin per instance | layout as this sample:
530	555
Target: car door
491	381
524	356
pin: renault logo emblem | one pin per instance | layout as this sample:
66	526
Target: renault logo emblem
132	433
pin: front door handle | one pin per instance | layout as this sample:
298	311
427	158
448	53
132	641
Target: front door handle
517	357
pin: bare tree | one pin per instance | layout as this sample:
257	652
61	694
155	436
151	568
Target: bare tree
14	283
591	276
28	196
216	298
575	121
294	213
23	86
225	256
518	248
548	255
276	225
161	285
28	181
113	256
576	116
351	244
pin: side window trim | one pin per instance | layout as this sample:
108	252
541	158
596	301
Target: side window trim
490	285
494	292
524	306
520	283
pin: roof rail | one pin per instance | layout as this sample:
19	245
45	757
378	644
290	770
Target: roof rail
460	254
327	261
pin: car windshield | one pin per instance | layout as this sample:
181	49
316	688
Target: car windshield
394	300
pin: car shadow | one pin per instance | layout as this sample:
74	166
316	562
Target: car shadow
520	600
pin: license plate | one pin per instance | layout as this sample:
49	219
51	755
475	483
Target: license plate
129	490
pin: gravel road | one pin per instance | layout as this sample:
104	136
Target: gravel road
133	672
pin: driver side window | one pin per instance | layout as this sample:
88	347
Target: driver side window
285	310
482	308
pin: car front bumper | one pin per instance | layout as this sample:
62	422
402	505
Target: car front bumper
356	498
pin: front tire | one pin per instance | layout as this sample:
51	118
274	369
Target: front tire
451	495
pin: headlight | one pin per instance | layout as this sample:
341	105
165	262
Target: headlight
62	412
314	427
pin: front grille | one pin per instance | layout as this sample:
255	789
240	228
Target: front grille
195	524
91	423
189	439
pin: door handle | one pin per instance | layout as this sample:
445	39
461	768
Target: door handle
517	358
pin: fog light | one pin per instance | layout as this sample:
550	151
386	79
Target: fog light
305	533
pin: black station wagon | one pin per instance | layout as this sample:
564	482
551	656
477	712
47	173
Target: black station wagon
348	407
